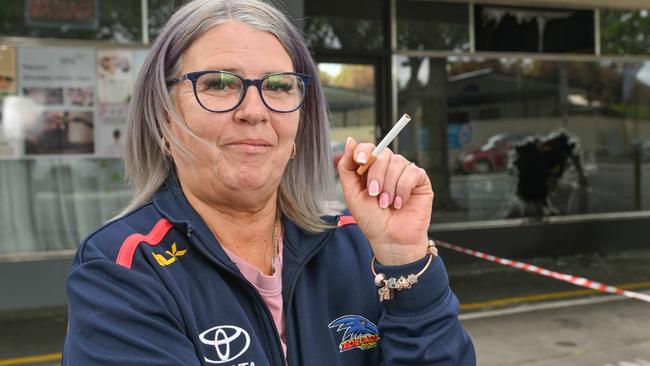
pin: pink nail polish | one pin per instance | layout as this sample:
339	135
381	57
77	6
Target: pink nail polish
362	158
383	200
397	202
373	188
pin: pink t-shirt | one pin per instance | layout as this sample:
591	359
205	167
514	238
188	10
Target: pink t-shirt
270	287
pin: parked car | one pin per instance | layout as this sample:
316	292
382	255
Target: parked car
491	156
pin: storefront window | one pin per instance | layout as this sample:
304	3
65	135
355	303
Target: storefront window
345	25
518	29
115	20
350	93
515	137
62	126
52	203
625	32
500	137
159	13
426	25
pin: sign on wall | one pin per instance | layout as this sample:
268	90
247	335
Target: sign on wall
57	111
114	88
116	74
71	14
9	139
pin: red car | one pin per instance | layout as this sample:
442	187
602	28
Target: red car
491	157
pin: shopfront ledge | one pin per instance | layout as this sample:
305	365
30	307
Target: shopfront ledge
37	256
547	237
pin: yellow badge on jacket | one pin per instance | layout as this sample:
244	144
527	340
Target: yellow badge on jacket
174	254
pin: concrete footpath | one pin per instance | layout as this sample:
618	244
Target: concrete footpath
519	318
572	333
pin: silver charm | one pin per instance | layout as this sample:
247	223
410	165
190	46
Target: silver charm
403	284
385	293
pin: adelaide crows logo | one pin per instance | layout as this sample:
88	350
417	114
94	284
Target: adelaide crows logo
358	332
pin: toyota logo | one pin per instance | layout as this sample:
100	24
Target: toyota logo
226	339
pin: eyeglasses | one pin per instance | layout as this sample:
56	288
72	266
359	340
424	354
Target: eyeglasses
223	91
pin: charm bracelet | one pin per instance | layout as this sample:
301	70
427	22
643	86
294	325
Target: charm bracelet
388	285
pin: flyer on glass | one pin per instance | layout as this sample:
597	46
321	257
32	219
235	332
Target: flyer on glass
58	87
9	132
115	76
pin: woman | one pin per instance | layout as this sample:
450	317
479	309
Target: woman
230	252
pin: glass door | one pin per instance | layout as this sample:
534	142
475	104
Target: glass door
350	93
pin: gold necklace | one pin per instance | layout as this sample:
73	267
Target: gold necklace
275	246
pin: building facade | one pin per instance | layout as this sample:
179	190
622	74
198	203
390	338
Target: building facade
531	117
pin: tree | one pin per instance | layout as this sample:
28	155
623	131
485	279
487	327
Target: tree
625	32
357	77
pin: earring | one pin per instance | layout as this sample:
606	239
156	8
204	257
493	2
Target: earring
167	145
293	151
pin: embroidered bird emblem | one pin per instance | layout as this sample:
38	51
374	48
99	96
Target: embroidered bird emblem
354	326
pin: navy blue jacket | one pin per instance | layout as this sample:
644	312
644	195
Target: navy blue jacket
155	288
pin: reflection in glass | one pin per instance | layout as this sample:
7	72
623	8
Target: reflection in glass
52	203
159	13
425	25
350	94
492	130
116	20
625	32
347	25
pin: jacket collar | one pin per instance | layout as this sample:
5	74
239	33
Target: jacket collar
171	202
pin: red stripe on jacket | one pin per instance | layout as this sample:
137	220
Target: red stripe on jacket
127	250
346	220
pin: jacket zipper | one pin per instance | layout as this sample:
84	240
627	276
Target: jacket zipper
252	289
294	282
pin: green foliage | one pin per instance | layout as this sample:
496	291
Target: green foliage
625	32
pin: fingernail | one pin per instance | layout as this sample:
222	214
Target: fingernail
373	188
397	202
383	200
362	158
347	142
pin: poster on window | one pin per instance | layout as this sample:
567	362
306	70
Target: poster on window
115	75
57	85
9	137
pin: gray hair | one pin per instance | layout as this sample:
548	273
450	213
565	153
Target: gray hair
307	188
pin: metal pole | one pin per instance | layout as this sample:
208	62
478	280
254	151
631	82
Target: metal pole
145	20
637	176
393	66
472	26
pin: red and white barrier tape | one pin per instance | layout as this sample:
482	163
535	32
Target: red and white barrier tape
578	281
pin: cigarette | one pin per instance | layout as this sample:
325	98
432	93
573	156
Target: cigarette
384	142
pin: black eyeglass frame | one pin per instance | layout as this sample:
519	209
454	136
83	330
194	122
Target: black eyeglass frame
194	76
